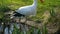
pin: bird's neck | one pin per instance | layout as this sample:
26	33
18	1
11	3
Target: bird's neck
35	3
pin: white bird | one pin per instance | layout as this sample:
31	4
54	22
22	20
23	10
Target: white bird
27	10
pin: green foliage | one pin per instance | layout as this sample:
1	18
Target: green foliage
44	30
52	16
31	30
4	8
1	15
16	30
5	18
39	31
52	13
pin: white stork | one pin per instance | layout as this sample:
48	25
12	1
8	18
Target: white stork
27	10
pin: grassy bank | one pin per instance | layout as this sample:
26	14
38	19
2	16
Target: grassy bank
42	7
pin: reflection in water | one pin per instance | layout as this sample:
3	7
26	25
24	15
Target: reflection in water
11	28
35	31
6	30
24	28
1	28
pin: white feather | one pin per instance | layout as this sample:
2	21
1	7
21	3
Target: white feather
28	10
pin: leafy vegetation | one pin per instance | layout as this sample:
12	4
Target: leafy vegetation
31	30
44	30
16	30
52	13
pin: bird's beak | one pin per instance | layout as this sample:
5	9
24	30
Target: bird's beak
42	1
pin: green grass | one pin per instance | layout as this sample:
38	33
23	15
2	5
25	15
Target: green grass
42	7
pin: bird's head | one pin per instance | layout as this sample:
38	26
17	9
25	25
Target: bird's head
42	1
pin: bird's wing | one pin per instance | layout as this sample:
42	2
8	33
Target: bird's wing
24	10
